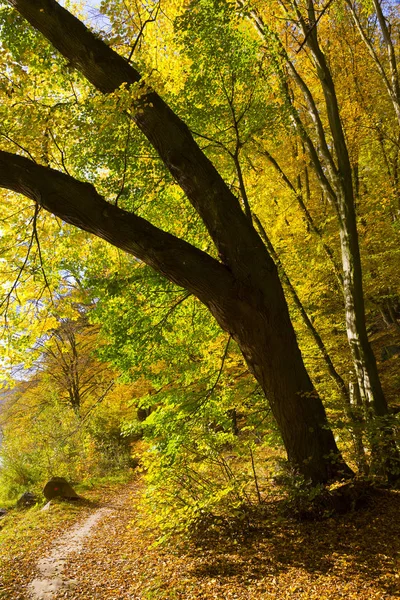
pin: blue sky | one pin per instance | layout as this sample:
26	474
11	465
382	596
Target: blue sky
95	19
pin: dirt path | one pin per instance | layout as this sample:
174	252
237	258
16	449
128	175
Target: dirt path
54	578
110	555
51	567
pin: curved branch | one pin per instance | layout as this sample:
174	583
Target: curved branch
79	204
219	209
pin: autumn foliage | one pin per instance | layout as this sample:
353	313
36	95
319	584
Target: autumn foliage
237	149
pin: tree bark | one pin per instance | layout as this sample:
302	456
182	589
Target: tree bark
243	291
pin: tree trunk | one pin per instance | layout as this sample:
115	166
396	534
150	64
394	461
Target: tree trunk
363	357
243	291
266	338
257	317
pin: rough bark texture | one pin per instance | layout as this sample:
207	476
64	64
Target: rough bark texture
243	292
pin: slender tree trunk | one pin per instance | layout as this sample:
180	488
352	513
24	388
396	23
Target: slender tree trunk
363	357
336	182
354	419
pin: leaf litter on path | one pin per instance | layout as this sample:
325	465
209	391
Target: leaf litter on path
354	556
52	566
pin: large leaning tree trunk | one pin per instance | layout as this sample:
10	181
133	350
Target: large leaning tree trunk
242	290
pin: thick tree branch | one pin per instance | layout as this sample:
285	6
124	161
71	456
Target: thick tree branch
80	205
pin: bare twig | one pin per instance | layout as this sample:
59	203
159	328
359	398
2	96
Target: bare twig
60	151
7	137
36	236
6	301
151	19
225	354
255	476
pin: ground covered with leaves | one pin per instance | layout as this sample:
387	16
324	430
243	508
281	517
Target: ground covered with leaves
27	535
268	555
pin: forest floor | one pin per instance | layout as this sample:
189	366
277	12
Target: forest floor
105	551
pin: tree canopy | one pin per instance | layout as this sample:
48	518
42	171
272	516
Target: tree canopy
235	152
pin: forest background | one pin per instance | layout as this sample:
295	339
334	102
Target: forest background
112	357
